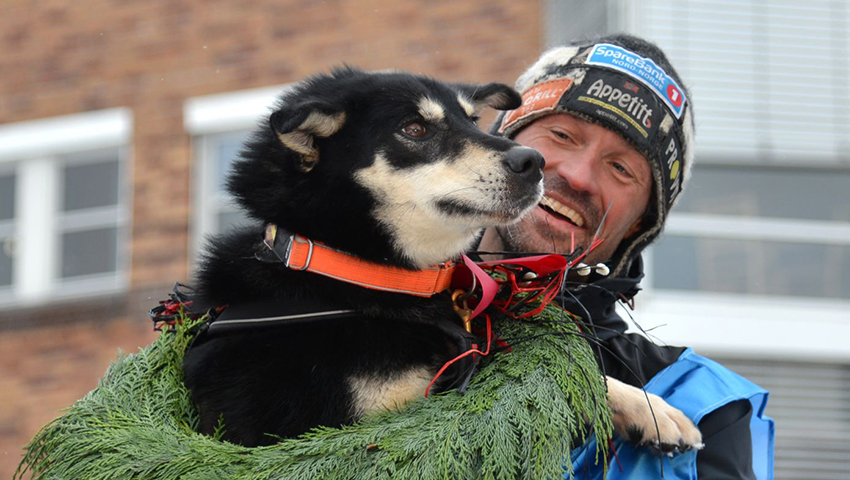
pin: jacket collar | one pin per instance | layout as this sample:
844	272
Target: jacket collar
596	300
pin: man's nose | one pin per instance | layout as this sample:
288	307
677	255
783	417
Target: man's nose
580	170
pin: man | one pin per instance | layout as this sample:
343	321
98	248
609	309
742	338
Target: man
614	123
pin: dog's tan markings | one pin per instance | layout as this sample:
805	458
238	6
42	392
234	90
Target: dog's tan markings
405	199
317	124
633	414
495	100
371	393
300	142
431	110
466	104
406	202
322	124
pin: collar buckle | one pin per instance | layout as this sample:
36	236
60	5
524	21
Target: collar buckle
310	245
278	248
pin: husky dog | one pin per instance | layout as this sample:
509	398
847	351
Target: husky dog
389	169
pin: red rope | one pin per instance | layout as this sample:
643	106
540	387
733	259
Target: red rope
616	457
472	351
540	290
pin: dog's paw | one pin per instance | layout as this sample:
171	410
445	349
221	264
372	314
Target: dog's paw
648	421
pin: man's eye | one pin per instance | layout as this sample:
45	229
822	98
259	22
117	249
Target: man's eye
561	135
414	130
620	168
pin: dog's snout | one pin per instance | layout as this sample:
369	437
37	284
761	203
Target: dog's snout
524	161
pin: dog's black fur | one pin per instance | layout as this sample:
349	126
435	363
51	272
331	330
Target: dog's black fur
333	164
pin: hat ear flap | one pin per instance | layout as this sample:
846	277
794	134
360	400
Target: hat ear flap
298	126
492	95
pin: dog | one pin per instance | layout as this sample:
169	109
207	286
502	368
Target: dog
389	171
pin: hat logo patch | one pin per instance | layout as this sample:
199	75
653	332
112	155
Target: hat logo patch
674	95
632	104
642	69
672	152
542	97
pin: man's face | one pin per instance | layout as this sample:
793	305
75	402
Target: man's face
588	168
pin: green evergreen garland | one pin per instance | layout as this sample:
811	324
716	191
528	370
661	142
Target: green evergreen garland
518	419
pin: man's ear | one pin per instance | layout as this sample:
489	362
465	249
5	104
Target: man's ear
297	127
493	95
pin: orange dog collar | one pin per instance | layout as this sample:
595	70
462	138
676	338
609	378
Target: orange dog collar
300	253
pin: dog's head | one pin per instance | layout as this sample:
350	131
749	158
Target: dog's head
388	166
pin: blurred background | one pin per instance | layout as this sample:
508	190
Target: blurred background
119	119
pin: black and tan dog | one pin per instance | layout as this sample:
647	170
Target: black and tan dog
391	172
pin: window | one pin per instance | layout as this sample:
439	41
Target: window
7	227
759	231
808	402
64	215
88	218
215	153
219	125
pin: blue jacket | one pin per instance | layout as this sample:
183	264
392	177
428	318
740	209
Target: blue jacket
697	386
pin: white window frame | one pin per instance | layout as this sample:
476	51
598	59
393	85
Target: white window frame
217	114
746	325
35	148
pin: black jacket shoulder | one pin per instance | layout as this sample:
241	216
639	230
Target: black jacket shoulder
634	359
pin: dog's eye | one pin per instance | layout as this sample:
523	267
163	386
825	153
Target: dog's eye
414	130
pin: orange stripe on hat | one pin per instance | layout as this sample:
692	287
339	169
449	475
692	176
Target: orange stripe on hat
542	97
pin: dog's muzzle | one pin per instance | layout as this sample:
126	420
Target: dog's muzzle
524	176
525	162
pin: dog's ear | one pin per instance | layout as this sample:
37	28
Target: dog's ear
493	95
297	127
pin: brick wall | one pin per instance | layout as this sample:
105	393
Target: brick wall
61	57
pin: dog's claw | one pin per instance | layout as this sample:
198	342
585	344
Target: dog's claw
670	449
648	421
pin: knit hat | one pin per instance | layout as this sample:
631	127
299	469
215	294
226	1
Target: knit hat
625	84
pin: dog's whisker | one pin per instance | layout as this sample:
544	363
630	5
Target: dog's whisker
446	194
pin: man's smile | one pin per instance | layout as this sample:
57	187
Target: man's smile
560	210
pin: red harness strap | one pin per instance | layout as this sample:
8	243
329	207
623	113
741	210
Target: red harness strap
306	255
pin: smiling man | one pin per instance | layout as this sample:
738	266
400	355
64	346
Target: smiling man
614	124
592	173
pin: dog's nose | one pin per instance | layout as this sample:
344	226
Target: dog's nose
524	161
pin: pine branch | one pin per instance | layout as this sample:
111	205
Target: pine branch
520	418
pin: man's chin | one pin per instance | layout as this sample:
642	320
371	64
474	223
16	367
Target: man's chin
540	231
523	238
530	236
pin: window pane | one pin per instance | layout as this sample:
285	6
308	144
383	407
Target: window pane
769	192
755	113
226	151
232	219
5	261
89	252
752	267
7	197
90	185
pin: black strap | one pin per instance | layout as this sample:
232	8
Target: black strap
275	313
